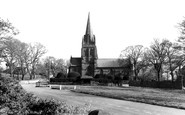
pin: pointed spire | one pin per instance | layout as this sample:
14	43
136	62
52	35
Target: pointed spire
88	28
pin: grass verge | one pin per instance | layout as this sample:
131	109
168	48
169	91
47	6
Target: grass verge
162	97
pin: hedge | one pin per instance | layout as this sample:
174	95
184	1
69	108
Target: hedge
155	84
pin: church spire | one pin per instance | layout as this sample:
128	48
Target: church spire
88	28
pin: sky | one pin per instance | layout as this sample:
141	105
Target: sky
60	24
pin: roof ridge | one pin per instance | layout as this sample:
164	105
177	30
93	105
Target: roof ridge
76	57
106	58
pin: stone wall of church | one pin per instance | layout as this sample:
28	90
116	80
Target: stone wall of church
110	71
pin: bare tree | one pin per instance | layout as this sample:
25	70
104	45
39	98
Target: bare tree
6	29
156	55
134	53
182	31
21	52
32	56
54	65
181	41
48	65
61	66
16	53
9	53
175	57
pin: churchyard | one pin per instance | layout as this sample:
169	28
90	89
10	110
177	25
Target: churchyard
155	96
162	97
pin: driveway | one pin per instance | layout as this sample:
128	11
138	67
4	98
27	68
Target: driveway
114	106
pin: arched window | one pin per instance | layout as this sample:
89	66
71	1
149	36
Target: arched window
89	70
86	52
92	52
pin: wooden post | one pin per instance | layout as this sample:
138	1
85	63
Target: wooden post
60	87
75	87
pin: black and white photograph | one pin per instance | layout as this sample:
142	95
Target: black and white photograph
92	57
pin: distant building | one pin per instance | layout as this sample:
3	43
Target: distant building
89	65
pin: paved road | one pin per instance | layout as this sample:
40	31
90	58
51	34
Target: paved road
114	106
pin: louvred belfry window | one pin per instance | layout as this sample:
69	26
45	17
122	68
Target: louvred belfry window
92	52
86	52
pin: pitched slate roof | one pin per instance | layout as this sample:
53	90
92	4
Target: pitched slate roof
75	61
104	63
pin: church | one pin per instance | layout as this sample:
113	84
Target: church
89	65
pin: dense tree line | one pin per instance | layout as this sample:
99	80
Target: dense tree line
22	58
163	56
51	66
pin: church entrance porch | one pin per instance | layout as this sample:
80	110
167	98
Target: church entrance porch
86	79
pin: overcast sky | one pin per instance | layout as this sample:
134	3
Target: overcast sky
60	24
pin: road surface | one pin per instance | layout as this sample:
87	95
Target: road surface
113	106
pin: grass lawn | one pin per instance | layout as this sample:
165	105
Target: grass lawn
163	97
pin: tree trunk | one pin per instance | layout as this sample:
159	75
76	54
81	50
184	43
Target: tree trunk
22	77
171	71
33	72
157	67
172	75
27	67
11	71
31	77
48	73
158	75
135	72
22	72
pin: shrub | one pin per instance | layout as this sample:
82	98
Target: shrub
61	75
15	101
118	79
102	80
43	107
156	84
59	80
74	76
11	95
97	76
51	107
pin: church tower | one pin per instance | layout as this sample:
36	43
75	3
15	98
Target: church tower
88	51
